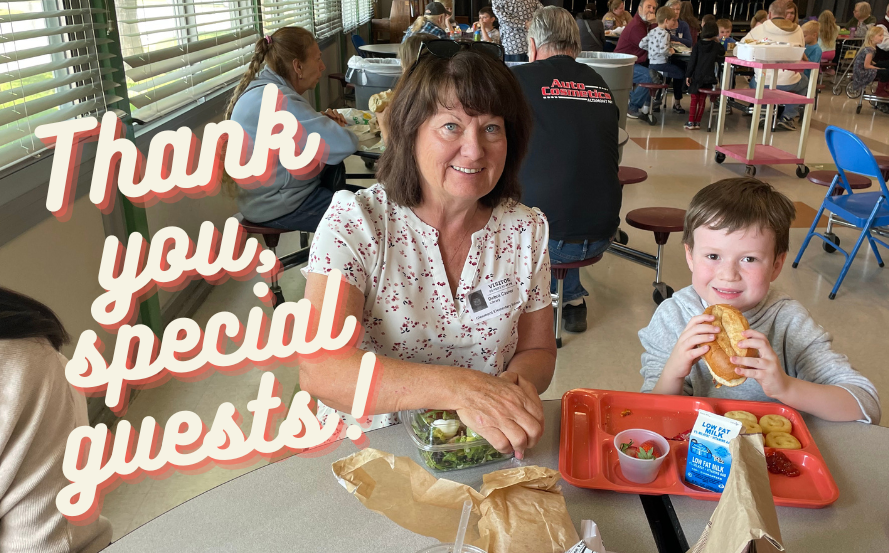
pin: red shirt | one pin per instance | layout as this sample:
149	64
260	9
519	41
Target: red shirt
628	43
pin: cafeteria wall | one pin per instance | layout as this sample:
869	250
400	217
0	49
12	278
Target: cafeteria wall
58	263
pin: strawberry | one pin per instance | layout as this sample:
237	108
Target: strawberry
648	450
629	449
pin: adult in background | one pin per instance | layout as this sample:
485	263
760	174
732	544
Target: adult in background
687	14
574	117
514	17
861	19
881	57
443	224
792	13
38	409
290	59
635	31
617	15
682	33
434	21
781	30
592	31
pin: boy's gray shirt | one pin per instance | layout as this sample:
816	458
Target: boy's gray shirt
285	193
803	348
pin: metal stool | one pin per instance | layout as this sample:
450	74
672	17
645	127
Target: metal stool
711	94
652	92
271	236
627	175
662	221
856	182
559	271
883	164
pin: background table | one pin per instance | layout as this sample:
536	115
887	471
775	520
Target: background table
855	453
381	50
297	505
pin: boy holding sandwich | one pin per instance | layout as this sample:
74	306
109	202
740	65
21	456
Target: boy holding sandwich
736	240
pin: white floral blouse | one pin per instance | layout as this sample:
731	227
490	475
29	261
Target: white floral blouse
392	256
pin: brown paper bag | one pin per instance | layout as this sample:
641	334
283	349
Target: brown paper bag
745	520
518	510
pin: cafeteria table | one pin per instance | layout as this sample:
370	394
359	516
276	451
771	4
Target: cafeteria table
381	50
297	505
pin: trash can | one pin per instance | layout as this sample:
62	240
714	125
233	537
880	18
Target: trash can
371	76
617	70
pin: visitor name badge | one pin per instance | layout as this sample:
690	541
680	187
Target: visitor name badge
492	299
709	460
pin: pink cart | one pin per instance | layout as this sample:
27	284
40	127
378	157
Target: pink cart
753	154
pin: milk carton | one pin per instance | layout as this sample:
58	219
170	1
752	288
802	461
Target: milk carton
709	460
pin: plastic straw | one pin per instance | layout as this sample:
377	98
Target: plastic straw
464	523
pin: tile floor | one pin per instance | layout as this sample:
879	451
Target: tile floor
607	355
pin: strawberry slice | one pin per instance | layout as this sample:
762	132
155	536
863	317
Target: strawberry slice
648	450
629	449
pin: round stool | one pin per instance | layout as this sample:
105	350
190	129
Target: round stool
883	163
559	271
652	92
630	175
662	221
713	94
271	237
825	178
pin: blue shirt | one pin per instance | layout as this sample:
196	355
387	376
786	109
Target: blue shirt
430	28
726	41
813	53
682	34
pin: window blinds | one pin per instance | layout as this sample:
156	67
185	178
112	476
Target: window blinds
286	13
176	52
50	69
350	15
365	11
328	18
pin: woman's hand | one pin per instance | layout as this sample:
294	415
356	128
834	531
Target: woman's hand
335	116
504	410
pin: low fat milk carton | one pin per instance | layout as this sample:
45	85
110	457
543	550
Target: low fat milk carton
709	460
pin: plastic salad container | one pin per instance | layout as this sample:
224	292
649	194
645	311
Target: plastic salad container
445	443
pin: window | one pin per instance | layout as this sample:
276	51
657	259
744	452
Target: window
176	52
328	19
350	15
286	13
52	68
365	11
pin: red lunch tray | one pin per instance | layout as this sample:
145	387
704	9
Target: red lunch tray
591	419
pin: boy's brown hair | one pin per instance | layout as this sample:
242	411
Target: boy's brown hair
665	14
738	204
724	24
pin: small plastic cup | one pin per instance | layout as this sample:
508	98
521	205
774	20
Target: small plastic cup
449	548
640	471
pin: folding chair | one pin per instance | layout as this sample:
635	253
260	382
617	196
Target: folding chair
864	210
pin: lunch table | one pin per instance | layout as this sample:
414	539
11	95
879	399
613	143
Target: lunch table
297	505
381	50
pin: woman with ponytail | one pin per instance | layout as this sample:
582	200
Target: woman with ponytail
38	409
291	60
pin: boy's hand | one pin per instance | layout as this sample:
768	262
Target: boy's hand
687	350
765	369
688	82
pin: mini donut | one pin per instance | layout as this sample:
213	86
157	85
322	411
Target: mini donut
782	440
751	428
775	423
742	416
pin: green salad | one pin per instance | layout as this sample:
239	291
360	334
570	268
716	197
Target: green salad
452	441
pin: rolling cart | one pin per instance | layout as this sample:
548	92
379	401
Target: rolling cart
753	154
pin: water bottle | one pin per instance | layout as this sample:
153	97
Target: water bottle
478	35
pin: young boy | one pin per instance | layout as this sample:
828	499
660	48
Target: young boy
725	33
485	24
736	240
813	51
657	42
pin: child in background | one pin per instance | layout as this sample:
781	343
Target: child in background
827	35
657	42
758	19
485	24
737	234
864	71
813	51
701	72
725	34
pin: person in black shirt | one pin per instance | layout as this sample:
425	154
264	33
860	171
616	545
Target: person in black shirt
570	172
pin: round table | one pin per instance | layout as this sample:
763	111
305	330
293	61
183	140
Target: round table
297	505
381	50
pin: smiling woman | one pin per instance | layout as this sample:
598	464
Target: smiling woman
447	271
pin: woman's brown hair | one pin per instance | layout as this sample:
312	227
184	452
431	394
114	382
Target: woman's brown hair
687	14
480	84
829	31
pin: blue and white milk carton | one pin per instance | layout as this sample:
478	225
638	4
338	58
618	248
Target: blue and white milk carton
709	460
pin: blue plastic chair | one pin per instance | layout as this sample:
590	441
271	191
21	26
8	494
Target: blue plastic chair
358	42
463	27
865	210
